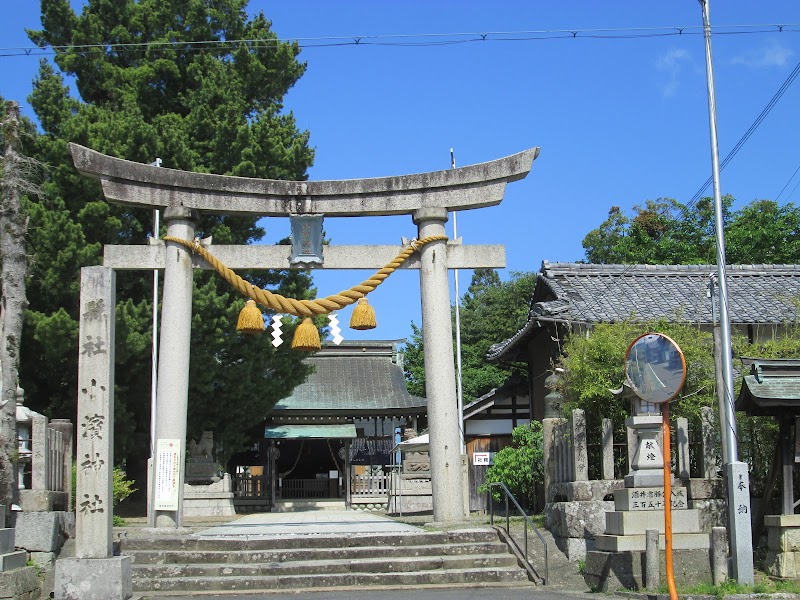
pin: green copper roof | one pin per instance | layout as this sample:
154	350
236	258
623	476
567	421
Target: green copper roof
771	388
355	377
297	432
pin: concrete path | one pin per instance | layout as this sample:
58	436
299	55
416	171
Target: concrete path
308	522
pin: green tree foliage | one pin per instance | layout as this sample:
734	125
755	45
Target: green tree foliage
491	311
148	88
593	365
520	466
665	231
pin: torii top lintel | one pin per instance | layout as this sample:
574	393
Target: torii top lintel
473	186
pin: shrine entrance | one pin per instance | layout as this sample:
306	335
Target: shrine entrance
426	197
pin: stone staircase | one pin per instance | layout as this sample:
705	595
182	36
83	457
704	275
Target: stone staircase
185	565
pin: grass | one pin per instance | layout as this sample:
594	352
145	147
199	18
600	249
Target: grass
763	585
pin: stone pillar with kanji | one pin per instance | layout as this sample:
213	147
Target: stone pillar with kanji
95	572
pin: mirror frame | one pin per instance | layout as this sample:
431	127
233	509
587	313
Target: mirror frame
677	348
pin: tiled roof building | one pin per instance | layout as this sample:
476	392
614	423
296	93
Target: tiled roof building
574	295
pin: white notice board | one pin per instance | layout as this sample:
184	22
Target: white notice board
168	474
482	458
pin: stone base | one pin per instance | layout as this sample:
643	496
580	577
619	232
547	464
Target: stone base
713	513
574	549
637	523
578	520
7	540
212	500
637	543
19	584
416	503
783	546
583	491
209	506
410	494
705	489
645	478
611	571
42	500
44	531
13	560
367	503
93	578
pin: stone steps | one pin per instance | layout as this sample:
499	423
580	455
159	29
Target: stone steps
325	567
186	565
196	543
506	575
162	557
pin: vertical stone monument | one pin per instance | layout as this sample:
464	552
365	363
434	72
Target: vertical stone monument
95	573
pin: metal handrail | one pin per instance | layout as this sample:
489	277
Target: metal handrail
528	521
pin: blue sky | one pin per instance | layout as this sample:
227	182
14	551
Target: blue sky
619	119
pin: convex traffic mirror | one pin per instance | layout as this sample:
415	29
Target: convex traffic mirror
655	368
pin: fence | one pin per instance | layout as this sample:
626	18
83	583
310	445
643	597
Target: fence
45	461
300	489
567	457
369	485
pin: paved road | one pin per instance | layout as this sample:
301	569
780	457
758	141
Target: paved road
458	593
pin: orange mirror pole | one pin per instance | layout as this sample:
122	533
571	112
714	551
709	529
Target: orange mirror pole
673	593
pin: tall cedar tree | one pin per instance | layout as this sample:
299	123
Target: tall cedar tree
152	83
491	311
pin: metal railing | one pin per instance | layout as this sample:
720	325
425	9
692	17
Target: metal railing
527	521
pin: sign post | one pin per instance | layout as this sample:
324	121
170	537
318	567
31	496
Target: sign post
656	371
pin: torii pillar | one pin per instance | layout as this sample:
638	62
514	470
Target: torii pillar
427	197
440	371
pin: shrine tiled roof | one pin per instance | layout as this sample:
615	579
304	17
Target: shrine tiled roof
354	378
574	293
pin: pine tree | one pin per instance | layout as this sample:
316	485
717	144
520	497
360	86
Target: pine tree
168	80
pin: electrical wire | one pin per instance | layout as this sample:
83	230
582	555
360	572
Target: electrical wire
408	39
783	189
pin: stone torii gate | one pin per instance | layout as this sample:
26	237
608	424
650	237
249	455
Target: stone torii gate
427	197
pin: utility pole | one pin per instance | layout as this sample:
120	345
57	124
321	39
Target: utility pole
459	384
738	481
153	372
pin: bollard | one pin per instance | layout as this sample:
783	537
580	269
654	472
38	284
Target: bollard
652	560
719	555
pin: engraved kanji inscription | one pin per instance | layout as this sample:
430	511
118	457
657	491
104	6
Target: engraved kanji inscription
93	427
91	505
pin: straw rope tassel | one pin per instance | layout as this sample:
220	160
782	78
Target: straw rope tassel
250	319
363	316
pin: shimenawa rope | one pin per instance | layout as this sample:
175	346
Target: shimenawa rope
304	308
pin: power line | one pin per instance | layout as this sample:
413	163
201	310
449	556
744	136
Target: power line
409	39
783	189
743	140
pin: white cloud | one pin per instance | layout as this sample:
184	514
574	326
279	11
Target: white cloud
771	55
671	64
